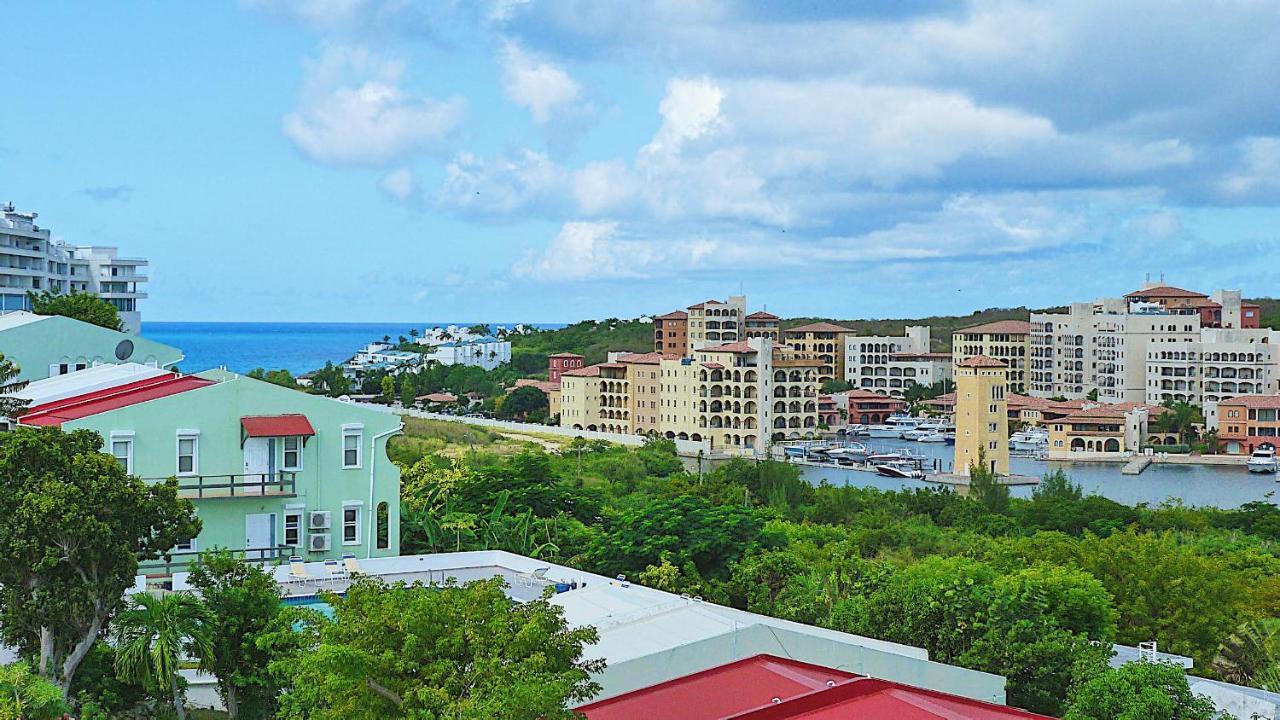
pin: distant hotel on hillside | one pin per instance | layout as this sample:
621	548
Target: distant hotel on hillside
32	262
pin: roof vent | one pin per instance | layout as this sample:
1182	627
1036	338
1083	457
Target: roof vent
777	701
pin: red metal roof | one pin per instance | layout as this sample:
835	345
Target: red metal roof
100	401
719	692
276	426
872	699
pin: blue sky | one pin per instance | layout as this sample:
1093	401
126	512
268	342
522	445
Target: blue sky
392	160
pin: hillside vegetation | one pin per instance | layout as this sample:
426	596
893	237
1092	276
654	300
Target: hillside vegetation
941	326
590	338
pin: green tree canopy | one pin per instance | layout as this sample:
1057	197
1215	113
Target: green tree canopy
1138	691
9	406
82	306
524	402
25	695
461	652
74	528
243	602
281	377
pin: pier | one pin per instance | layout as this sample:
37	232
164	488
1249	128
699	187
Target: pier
1136	466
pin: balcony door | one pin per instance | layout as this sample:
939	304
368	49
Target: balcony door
259	535
259	464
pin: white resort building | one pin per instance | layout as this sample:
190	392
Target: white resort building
32	262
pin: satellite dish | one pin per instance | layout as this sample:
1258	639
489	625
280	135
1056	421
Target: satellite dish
124	350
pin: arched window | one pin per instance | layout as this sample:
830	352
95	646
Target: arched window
384	526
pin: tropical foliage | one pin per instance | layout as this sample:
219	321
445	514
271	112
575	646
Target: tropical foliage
152	636
25	695
82	306
9	406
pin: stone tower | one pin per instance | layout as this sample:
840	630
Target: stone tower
982	414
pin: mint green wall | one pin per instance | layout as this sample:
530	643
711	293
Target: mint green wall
322	484
36	345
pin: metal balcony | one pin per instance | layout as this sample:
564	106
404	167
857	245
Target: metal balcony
207	487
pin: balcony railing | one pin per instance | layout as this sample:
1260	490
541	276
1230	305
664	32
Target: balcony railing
180	561
204	487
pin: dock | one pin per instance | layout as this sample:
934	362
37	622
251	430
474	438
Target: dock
963	480
1136	465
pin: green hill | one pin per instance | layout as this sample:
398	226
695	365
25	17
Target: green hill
941	326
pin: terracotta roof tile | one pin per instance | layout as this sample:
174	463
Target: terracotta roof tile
982	361
674	315
999	327
820	327
1165	291
1253	401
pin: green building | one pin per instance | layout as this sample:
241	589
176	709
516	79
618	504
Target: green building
272	471
48	345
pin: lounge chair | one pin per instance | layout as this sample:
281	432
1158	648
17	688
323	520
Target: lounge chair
534	577
349	562
298	571
333	571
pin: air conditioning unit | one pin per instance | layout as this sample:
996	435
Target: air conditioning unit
318	520
318	543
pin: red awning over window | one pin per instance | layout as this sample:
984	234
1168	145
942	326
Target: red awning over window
277	426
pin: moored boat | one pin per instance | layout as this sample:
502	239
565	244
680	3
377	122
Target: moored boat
1263	460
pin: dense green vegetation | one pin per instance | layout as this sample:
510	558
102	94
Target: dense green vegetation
941	326
593	339
77	305
1024	588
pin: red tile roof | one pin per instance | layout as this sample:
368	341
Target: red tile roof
588	371
675	315
1253	401
565	355
982	361
820	327
999	327
439	397
708	302
873	699
100	401
649	358
288	425
719	692
762	315
545	386
857	394
1165	291
741	346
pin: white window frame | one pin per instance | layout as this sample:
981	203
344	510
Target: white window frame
126	438
357	507
298	512
356	431
284	453
188	546
194	437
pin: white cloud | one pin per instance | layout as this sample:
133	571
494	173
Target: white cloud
398	184
502	186
581	251
535	84
353	111
1259	174
690	110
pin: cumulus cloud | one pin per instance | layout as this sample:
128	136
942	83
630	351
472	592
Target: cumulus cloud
525	182
1258	176
587	250
399	184
352	110
535	84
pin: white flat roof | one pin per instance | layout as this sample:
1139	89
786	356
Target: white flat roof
19	318
85	381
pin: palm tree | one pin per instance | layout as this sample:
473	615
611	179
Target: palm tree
9	406
151	636
1178	417
1251	655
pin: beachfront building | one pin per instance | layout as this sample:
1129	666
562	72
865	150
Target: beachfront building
671	333
50	345
822	342
889	365
30	261
716	322
485	352
273	472
1006	340
1102	431
1249	422
982	415
763	324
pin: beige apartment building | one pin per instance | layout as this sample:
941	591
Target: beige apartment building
580	406
716	322
822	342
679	400
644	390
763	324
890	365
1005	340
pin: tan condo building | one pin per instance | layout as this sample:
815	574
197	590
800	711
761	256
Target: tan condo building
822	342
1004	340
717	322
982	414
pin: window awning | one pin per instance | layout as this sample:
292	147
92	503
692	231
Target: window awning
277	426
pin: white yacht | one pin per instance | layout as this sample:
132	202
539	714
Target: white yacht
1031	439
884	431
1263	460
